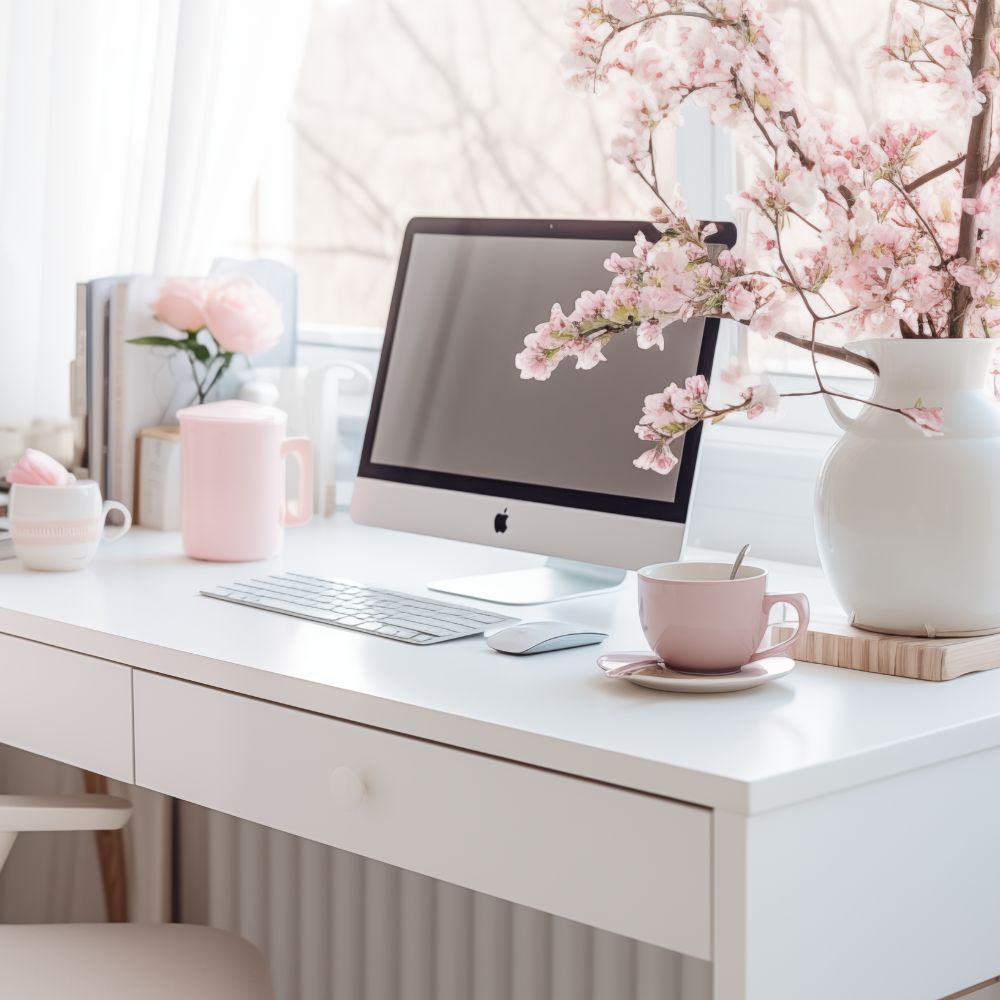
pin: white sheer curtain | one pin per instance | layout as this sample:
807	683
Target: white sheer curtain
131	133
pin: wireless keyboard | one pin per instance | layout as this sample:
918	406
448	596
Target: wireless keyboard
346	604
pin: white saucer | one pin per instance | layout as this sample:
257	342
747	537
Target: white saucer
664	679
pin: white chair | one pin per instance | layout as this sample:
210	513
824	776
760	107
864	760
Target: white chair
114	961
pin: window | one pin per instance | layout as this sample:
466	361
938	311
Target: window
457	107
447	107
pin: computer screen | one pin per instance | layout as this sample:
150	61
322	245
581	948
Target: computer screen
451	409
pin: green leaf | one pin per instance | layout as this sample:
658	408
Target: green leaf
200	351
158	342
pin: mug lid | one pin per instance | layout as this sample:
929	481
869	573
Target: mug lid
233	411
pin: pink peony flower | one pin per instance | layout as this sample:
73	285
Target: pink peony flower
181	303
930	419
35	468
242	316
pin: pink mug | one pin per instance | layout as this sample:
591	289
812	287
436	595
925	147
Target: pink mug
233	505
698	620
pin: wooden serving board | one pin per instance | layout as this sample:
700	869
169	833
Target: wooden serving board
838	644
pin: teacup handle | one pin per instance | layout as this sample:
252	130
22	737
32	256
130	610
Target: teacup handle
801	604
115	531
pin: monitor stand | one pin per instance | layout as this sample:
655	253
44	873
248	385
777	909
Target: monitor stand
557	580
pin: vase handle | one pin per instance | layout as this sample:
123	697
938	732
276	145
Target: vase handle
841	419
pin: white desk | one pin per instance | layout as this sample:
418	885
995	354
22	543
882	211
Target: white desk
833	835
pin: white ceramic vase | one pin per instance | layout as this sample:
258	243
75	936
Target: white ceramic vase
908	526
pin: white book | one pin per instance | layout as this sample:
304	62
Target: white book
96	318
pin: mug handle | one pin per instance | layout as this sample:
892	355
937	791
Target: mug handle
116	531
801	604
300	510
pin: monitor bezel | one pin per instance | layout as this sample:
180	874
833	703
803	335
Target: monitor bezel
675	510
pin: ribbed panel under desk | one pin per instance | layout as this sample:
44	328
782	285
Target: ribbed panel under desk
334	926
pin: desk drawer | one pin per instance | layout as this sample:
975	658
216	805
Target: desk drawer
617	860
66	706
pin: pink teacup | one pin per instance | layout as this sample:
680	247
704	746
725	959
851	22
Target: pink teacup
698	620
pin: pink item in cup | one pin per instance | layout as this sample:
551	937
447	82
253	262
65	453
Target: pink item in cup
233	505
698	620
35	468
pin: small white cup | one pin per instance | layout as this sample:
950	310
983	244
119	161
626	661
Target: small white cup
60	527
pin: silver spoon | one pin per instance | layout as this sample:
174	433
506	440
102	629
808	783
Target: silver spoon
739	561
635	667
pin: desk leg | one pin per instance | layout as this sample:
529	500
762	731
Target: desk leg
111	854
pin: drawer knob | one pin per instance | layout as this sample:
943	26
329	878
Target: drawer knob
347	787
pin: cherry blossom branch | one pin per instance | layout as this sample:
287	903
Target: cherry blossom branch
976	154
928	229
922	418
931	175
990	172
828	351
620	29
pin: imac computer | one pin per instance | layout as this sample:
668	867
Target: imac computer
459	446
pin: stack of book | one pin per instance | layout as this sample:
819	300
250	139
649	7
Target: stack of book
118	388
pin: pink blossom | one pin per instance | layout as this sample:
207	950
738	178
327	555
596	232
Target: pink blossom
622	10
846	235
35	468
930	419
589	306
768	320
650	334
660	459
696	388
590	355
762	398
534	363
739	300
732	373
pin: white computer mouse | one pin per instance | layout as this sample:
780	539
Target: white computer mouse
542	637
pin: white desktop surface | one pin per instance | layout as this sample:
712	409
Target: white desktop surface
817	731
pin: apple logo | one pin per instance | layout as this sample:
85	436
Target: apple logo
500	522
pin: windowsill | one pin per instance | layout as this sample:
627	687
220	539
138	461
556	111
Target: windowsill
772	438
368	338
